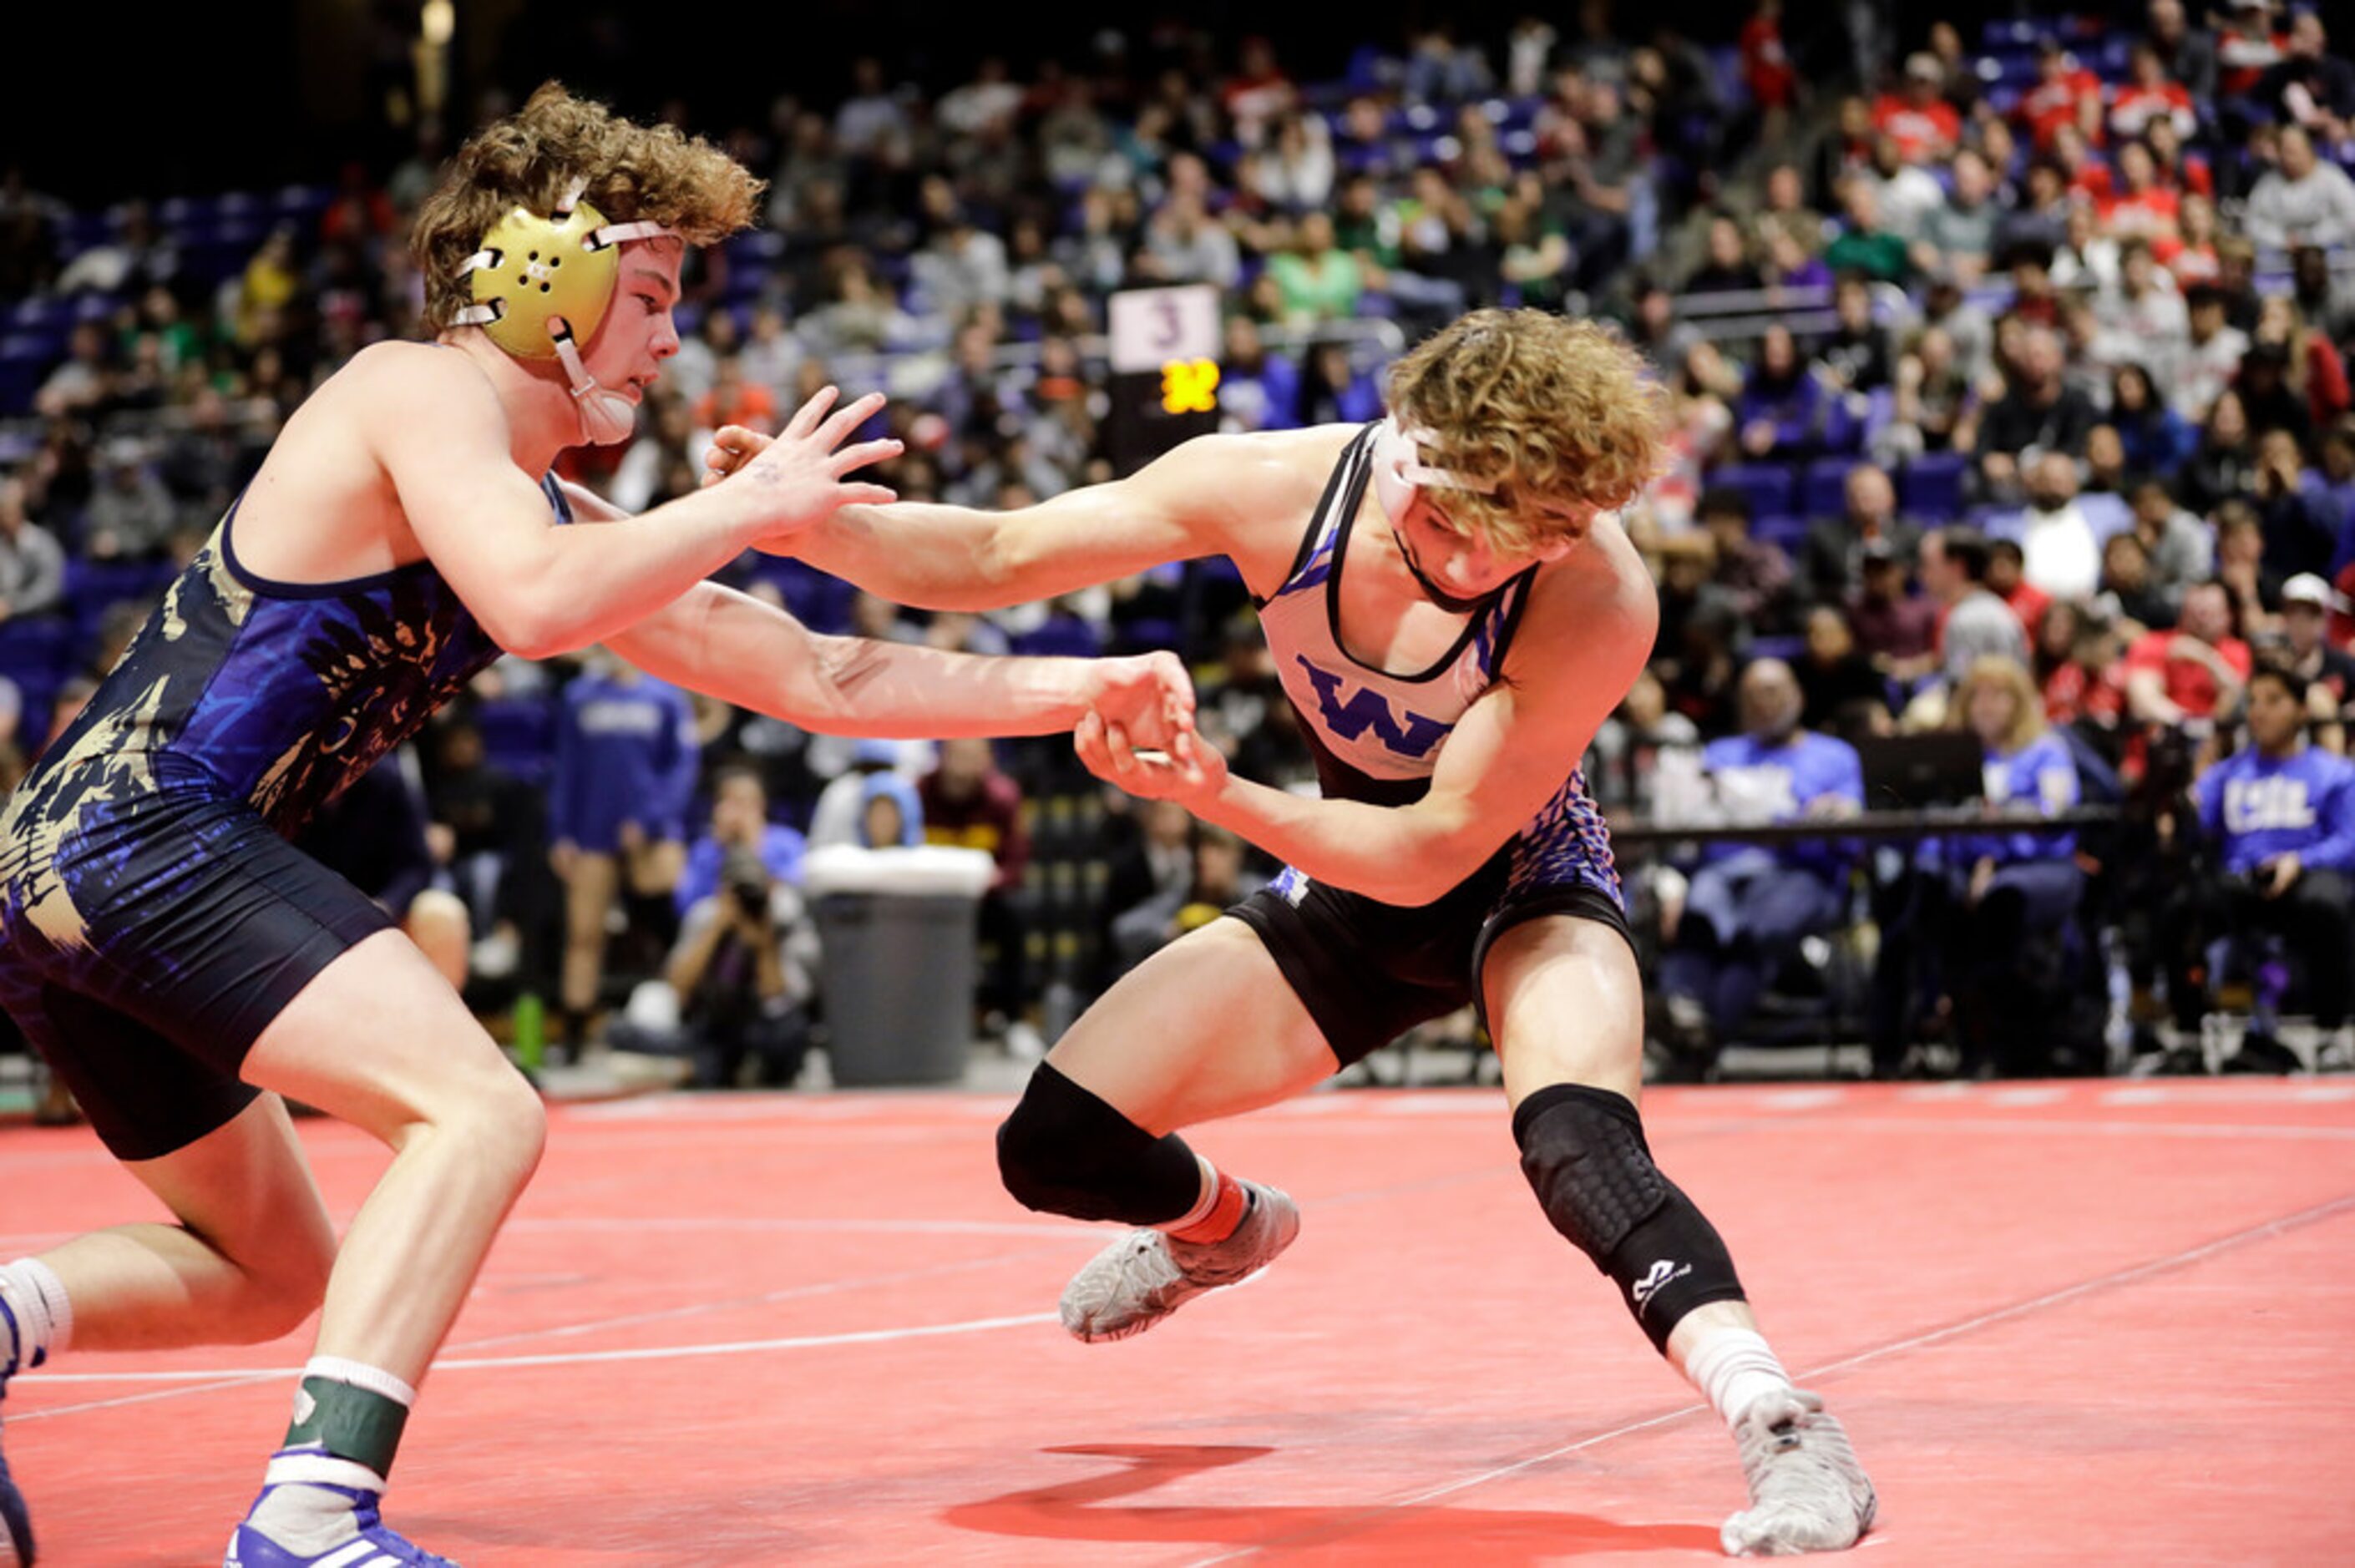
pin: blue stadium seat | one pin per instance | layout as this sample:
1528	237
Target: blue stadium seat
1788	534
1787	649
1824	492
24	363
1932	486
1767	485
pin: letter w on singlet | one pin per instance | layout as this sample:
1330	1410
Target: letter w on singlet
1366	709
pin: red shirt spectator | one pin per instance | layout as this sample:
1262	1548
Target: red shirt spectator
2064	94
1922	124
2245	50
969	804
1765	63
2072	691
2147	95
2191	684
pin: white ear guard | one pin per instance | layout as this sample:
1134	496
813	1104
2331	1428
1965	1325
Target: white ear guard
1399	471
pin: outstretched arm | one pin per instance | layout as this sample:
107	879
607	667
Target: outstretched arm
1509	755
732	646
1193	501
540	589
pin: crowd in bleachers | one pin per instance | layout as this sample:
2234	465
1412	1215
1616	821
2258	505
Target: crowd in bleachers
2010	392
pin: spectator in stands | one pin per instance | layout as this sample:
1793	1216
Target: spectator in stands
131	513
1753	575
2188	52
2280	819
2063	556
1975	624
2254	582
2315	367
2007	580
2266	397
2145	312
1215	879
1897	631
2309	86
1750	907
2298	537
84	383
1919	120
2325	301
889	814
2224	464
1855	356
969	803
2147	95
1959	234
32	562
2076	668
1156	860
1786	411
739	823
2303	201
1868	245
1935	407
1835	678
2038	413
1836	546
734	400
2127	592
2010	892
2157	438
486	834
2196	671
624	768
1319	281
2328	670
1726	269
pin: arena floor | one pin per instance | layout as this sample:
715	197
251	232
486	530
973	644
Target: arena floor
2065	1324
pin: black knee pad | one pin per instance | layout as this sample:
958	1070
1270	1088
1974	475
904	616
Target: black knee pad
1066	1151
1584	1154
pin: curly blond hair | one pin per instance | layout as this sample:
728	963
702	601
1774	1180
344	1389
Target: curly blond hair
1560	414
531	157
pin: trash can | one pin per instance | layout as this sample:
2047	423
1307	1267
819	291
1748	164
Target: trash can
898	968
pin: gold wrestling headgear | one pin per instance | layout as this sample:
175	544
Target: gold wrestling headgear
541	287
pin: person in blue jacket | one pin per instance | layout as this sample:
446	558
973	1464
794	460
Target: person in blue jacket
1750	905
626	765
2011	890
739	821
2279	820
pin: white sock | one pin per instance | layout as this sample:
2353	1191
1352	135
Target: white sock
1732	1367
37	1300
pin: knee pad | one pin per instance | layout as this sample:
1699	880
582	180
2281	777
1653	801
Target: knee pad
1066	1151
1584	1153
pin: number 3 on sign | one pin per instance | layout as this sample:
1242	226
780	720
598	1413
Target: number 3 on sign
1190	387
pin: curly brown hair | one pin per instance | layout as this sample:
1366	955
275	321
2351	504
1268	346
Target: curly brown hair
529	158
1560	414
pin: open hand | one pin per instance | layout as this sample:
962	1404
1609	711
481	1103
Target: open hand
797	480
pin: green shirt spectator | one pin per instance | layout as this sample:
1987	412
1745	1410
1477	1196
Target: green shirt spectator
1317	281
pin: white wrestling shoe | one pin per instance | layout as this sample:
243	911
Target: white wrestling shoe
1145	1275
1808	1493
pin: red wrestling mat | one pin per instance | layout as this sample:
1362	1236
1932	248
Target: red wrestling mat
2093	1322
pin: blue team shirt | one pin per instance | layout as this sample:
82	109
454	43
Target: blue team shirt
2259	810
625	752
2043	773
1759	782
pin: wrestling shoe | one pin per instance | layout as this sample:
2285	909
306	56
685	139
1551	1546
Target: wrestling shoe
1808	1493
374	1547
15	1524
1146	1275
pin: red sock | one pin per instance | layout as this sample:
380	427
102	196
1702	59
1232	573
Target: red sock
1226	1212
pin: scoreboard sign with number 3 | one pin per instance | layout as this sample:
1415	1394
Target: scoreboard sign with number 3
1165	371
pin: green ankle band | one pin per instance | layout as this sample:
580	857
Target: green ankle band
350	1423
